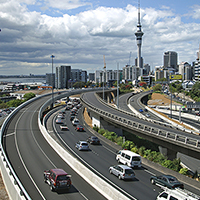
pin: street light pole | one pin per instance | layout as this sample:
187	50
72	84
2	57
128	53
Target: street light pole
52	56
117	85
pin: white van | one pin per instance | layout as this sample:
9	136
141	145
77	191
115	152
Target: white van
177	194
129	158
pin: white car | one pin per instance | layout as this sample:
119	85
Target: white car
82	145
64	127
122	172
75	122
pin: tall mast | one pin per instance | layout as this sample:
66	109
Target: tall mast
139	35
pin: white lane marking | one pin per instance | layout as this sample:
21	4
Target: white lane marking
22	159
10	134
150	172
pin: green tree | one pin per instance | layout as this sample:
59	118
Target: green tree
14	103
128	145
28	96
157	87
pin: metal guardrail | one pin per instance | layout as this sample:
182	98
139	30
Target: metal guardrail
162	134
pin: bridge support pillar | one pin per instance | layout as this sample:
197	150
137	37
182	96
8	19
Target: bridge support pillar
168	152
107	126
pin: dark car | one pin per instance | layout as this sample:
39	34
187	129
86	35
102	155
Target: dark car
72	117
198	114
166	181
140	110
79	128
93	140
57	179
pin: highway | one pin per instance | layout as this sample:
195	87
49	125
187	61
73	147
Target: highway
30	155
143	174
134	101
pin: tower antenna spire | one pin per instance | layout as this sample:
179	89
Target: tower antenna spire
139	35
138	12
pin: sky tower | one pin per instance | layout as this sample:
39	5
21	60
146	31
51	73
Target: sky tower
139	35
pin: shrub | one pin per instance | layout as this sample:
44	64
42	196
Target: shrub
134	149
183	171
96	128
101	131
119	141
110	135
128	145
152	155
141	150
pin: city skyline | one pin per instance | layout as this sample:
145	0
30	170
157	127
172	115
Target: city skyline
79	33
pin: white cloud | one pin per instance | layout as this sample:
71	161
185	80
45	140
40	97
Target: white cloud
66	4
196	13
29	38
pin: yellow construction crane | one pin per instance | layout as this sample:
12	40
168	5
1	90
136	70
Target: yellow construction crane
104	62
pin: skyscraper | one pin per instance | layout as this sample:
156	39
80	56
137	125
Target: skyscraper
170	60
139	35
63	74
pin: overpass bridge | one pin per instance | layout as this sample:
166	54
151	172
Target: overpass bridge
174	139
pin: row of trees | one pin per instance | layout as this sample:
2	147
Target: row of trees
176	87
149	154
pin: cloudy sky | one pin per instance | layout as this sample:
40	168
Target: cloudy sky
80	32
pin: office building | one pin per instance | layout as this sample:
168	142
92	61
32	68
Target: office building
50	79
78	75
91	77
63	75
161	72
170	60
131	73
186	70
197	67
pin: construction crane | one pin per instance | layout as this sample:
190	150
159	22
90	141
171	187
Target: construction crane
198	53
104	62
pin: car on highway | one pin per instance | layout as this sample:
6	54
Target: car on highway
57	179
147	115
79	128
72	117
75	122
82	145
64	127
62	116
93	140
198	114
166	181
59	121
122	172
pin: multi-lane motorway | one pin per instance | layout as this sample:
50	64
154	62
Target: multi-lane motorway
30	155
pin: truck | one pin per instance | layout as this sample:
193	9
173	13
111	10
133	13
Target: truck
57	179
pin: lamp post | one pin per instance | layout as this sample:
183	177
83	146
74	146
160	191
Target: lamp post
171	95
52	56
118	85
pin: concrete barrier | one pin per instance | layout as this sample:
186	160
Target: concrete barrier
98	183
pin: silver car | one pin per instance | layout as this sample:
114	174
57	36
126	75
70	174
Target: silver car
122	172
82	145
